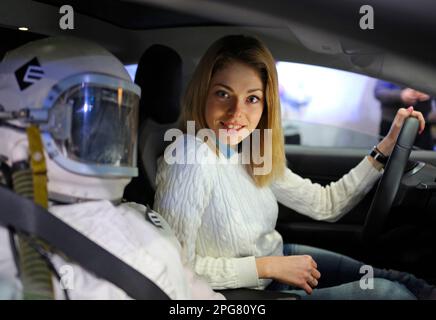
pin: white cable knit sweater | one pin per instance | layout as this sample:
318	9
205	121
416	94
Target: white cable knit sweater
223	220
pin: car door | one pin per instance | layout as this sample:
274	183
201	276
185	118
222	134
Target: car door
325	164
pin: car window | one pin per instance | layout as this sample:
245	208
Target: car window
325	107
330	107
322	135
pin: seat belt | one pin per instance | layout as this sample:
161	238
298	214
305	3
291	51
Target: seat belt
25	216
35	274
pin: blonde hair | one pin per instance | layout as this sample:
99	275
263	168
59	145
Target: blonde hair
254	53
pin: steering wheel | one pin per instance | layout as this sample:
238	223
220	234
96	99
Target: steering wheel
390	182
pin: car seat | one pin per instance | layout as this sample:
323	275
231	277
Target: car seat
159	75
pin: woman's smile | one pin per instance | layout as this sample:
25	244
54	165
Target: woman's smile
231	127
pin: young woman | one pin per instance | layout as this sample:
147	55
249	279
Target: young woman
224	213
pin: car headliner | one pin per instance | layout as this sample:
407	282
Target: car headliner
400	48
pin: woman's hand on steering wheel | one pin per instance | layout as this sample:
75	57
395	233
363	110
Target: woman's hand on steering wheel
387	144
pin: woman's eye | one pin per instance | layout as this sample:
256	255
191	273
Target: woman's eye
222	94
253	99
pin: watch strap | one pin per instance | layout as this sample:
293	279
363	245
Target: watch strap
377	155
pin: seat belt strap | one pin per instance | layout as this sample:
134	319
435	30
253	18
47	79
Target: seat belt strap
25	216
35	274
39	169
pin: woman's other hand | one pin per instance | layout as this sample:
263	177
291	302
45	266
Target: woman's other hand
298	271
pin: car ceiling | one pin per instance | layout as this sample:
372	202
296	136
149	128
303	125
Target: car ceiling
312	31
137	16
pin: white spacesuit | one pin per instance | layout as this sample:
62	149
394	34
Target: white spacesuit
85	105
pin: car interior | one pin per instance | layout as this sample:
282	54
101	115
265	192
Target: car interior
394	226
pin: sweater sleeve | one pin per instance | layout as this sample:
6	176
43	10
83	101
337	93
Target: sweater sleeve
327	203
182	196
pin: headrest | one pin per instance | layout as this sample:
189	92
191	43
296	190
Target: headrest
159	75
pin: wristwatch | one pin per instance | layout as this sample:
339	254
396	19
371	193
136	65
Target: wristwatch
377	155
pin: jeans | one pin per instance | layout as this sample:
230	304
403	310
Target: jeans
341	279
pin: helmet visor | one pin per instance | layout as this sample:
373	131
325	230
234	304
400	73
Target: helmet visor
103	125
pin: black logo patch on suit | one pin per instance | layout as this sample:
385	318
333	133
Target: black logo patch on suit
151	216
29	73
